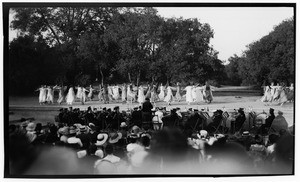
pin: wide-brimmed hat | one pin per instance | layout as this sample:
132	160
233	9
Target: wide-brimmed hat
30	127
203	133
123	125
25	123
115	137
241	110
83	129
135	130
101	139
245	133
64	130
72	130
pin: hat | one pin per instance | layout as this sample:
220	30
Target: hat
24	123
190	109
30	127
83	129
280	112
123	125
91	125
64	130
241	110
146	135
117	107
245	133
99	153
115	137
271	109
101	139
72	130
135	130
203	133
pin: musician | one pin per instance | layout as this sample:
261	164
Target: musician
216	120
136	117
117	118
269	121
237	124
171	119
147	111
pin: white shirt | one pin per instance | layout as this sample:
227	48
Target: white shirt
158	116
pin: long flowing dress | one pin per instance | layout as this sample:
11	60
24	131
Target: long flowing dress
178	95
161	94
282	96
110	93
49	95
91	95
115	91
70	96
42	95
124	93
154	96
100	94
60	95
169	97
194	93
141	96
267	95
79	92
83	95
207	93
148	93
290	93
130	94
199	95
188	95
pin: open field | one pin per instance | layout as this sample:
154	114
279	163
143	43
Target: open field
26	107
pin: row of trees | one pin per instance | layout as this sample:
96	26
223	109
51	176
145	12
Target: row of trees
270	59
81	45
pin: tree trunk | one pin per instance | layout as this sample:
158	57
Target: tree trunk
102	77
138	78
129	77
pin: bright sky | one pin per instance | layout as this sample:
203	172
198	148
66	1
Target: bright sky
234	28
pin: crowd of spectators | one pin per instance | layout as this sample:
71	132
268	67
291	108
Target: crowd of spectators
151	141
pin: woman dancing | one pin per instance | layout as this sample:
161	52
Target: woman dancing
42	94
70	96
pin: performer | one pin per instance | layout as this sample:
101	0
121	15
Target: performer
124	93
207	92
106	94
154	96
161	94
110	93
61	95
141	96
100	94
148	93
50	94
90	95
169	97
79	92
70	96
83	95
194	94
115	91
178	95
42	94
267	94
199	96
188	95
290	93
130	94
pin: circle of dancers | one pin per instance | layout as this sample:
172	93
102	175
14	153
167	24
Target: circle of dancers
127	93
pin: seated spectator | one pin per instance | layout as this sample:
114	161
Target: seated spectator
136	117
279	123
157	119
84	137
237	124
73	141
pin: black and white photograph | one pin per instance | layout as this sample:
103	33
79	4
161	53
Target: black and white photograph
113	90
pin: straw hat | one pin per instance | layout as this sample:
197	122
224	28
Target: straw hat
101	139
30	127
115	137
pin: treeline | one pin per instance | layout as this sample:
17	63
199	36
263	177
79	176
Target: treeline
270	59
86	45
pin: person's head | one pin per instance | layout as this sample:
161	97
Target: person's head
147	99
280	113
271	111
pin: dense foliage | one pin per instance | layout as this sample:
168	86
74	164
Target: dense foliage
270	59
84	45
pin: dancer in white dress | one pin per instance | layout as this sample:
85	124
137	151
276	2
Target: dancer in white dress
154	96
141	96
83	95
178	95
124	93
70	96
79	92
130	94
42	94
91	91
207	92
290	93
194	94
115	91
50	94
161	94
188	95
110	93
169	97
199	96
61	95
267	97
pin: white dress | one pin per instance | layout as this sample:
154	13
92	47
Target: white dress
115	91
60	95
194	94
124	94
199	95
141	96
188	95
70	96
79	93
161	94
169	97
90	95
83	95
42	95
49	95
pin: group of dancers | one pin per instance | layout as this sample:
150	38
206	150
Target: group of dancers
127	93
278	93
